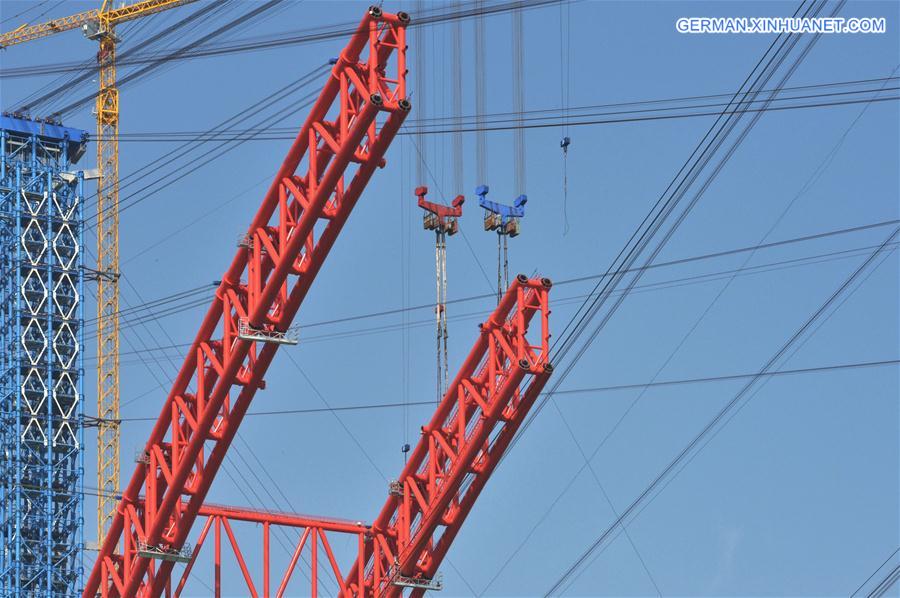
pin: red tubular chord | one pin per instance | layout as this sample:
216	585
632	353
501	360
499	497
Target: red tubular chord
318	534
459	448
457	453
342	142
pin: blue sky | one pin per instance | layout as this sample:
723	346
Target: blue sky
797	495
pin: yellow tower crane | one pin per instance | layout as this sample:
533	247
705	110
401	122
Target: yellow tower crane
99	24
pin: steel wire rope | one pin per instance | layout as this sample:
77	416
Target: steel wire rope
59	97
67	83
694	168
232	449
886	584
169	178
168	65
265	102
675	283
656	217
446	131
807	185
486	275
339	31
667	284
725	410
561	111
91	68
875	572
570	334
121	82
576	391
34	6
679	261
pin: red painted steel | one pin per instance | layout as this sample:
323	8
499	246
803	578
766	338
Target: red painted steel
340	145
456	454
318	534
459	449
438	216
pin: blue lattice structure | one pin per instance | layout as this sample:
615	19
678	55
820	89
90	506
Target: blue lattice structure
41	328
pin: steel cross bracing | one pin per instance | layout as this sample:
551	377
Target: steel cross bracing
99	24
460	447
41	335
456	454
316	541
108	435
340	145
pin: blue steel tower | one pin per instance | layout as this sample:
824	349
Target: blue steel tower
41	328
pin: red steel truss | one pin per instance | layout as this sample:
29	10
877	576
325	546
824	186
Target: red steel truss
340	145
456	454
318	535
459	448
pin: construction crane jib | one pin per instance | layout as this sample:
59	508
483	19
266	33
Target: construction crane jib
340	145
426	506
472	427
91	21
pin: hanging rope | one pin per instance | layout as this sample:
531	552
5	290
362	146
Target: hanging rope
420	95
505	262
457	108
442	386
440	309
405	245
499	268
443	220
480	85
564	97
518	90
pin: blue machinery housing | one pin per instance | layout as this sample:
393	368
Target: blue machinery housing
41	331
500	217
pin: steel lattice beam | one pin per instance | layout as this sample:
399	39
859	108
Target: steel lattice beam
427	505
460	447
318	535
340	145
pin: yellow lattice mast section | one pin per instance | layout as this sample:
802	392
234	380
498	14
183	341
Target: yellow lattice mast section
100	25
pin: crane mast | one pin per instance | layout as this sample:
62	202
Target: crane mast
99	25
108	440
340	145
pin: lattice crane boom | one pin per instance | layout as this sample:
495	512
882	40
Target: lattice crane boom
460	447
342	142
456	454
102	17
